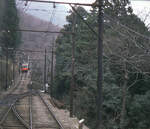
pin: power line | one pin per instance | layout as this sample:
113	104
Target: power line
53	2
43	31
84	21
125	36
44	10
51	18
127	28
104	23
26	50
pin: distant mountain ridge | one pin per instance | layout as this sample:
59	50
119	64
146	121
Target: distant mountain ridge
37	41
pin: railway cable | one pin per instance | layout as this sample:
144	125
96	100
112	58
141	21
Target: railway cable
117	55
125	36
105	24
27	8
95	33
65	3
93	29
44	10
51	20
125	27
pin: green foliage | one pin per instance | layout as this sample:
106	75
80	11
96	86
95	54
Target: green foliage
118	52
139	111
9	37
2	6
10	23
3	73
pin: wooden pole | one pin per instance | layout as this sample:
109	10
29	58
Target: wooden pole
72	71
52	62
100	60
6	74
1	73
45	71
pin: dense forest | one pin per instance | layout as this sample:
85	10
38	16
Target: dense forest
126	89
9	38
9	24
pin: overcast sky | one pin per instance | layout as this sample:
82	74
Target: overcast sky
57	15
142	9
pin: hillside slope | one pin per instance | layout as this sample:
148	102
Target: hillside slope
37	41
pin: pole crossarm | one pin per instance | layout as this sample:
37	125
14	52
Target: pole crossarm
27	50
43	31
56	2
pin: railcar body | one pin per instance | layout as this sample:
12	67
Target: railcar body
24	67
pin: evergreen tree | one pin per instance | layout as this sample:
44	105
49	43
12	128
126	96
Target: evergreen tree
123	67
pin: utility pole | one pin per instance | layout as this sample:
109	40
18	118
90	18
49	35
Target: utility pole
100	60
72	71
14	70
1	72
52	63
45	71
13	67
6	74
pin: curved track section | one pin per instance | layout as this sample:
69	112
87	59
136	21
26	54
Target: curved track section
51	112
28	110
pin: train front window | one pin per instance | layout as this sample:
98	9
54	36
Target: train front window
25	67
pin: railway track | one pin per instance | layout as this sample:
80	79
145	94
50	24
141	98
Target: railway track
28	110
11	118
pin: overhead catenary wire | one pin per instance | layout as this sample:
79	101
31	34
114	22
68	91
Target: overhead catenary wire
124	26
45	68
26	7
117	21
45	10
56	2
94	32
84	20
25	50
125	36
109	41
43	31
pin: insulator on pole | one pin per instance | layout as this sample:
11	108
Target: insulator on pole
26	3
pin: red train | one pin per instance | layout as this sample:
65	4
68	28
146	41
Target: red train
24	67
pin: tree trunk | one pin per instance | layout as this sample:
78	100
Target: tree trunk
123	111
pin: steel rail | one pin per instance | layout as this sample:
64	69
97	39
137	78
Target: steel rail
17	114
30	111
51	112
6	114
12	107
20	118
